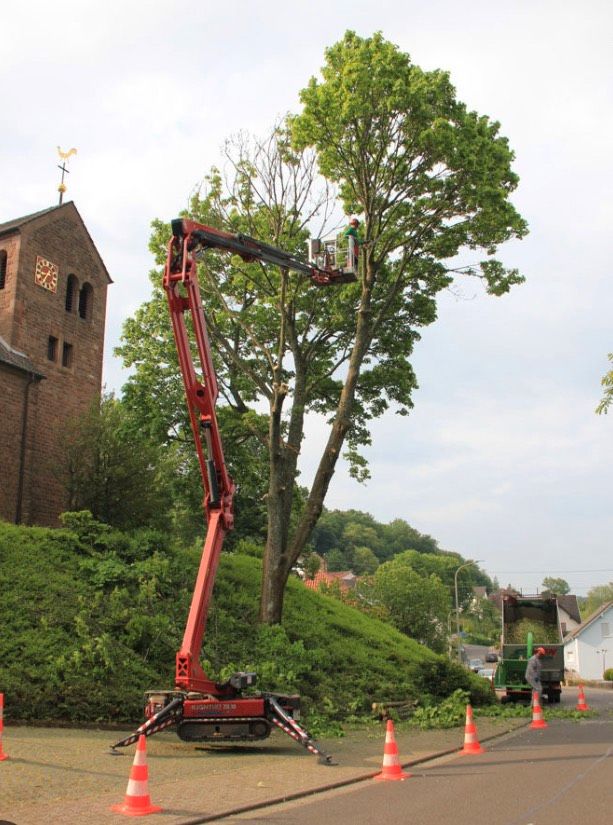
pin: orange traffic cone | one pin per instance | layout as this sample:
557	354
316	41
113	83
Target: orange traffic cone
471	743
137	801
391	763
581	703
537	712
3	755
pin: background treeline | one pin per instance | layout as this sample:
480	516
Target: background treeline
124	467
92	617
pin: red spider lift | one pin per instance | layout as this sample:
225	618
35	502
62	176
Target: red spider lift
201	709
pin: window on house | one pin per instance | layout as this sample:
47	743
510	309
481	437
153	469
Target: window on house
67	353
52	348
605	629
72	285
86	301
3	263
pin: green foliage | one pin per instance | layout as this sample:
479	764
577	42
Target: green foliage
336	561
343	536
608	675
517	632
364	561
92	618
432	180
430	176
482	623
417	605
596	597
446	714
607	385
558	586
514	710
114	470
87	633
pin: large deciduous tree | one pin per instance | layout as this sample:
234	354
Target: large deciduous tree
430	180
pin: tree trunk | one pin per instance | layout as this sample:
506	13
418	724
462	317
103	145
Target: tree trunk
282	474
340	425
280	553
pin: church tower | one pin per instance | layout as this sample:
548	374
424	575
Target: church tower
53	286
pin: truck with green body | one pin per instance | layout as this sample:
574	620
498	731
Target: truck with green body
529	622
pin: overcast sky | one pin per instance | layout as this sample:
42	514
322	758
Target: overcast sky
503	458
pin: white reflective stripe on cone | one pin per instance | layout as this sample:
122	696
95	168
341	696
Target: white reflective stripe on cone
137	787
140	757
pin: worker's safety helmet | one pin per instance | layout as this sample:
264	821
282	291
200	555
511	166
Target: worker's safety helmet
540	650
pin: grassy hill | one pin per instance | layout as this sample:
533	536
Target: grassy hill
90	618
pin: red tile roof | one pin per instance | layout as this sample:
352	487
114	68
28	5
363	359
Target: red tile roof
345	578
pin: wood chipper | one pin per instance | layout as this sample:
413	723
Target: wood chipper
529	622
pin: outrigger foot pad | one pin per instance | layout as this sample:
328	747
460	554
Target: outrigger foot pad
326	759
288	725
163	719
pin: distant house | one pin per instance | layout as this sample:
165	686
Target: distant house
345	579
588	649
568	610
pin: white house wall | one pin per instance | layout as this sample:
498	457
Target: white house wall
584	654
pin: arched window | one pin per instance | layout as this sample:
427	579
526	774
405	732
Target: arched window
72	286
86	301
3	262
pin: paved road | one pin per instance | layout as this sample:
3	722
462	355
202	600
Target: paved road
559	776
67	777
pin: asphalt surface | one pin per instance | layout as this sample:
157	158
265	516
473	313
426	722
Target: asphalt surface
559	776
67	776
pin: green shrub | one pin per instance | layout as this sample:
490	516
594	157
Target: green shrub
446	714
93	617
608	674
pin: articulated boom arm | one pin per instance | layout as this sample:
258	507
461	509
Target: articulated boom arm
201	390
189	240
203	710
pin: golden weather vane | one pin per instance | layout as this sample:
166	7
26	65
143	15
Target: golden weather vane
64	157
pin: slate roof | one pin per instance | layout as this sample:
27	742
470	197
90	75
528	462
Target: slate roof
590	619
14	358
16	223
570	605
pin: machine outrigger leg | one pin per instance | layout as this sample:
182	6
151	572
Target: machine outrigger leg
288	725
165	718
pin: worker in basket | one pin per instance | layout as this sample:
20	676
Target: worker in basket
354	245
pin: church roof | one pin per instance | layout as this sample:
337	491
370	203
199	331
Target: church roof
14	358
16	224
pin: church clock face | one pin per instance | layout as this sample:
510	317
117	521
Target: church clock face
46	274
